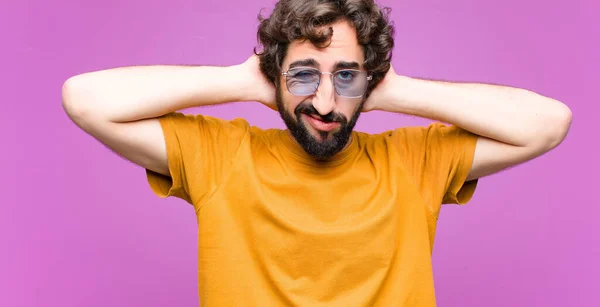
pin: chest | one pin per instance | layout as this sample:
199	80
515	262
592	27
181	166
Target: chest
358	200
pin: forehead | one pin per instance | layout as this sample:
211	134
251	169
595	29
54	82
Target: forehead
344	47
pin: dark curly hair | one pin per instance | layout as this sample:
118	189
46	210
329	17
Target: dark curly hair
304	20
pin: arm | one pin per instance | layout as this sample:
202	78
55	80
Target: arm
119	106
514	125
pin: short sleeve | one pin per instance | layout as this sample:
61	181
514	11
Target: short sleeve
200	151
439	158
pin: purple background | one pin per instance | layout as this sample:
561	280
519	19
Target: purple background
80	227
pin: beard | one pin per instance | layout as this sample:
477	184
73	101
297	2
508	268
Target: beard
330	142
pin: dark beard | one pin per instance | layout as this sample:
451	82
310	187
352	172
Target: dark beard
332	143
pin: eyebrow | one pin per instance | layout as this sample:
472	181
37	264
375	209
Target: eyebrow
313	63
346	65
304	63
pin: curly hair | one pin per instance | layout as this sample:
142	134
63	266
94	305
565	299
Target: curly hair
305	20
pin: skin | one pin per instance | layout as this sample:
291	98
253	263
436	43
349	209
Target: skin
514	125
325	105
119	107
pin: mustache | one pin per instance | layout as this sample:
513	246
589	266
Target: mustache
309	109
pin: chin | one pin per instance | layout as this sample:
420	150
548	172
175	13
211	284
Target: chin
321	146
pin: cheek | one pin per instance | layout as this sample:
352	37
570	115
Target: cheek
289	101
348	108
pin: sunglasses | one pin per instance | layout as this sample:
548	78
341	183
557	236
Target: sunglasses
349	83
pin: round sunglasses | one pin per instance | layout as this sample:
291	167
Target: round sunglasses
349	83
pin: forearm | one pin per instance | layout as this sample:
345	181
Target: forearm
510	115
133	93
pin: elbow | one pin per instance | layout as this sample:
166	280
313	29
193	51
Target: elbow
557	125
72	101
67	96
69	104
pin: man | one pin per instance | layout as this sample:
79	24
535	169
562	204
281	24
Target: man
317	214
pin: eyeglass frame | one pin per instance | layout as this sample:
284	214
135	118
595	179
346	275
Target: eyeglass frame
286	75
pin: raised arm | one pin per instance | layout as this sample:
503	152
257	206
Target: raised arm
119	106
514	125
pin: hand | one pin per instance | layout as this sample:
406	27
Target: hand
260	88
380	93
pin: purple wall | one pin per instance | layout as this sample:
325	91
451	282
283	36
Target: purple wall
80	227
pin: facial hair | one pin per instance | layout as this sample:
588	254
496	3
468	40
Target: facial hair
332	142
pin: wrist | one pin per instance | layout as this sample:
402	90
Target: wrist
388	95
240	83
408	96
250	84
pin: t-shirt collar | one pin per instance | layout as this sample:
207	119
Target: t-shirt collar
291	145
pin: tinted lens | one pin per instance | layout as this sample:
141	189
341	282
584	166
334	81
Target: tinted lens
302	81
350	83
347	83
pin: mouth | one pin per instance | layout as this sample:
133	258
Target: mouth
320	125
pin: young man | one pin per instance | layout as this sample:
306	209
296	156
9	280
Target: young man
317	214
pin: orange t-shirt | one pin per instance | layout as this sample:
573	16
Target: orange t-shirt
276	228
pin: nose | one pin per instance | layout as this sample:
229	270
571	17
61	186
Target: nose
324	100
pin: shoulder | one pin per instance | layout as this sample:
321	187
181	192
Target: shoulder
412	134
203	123
414	139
